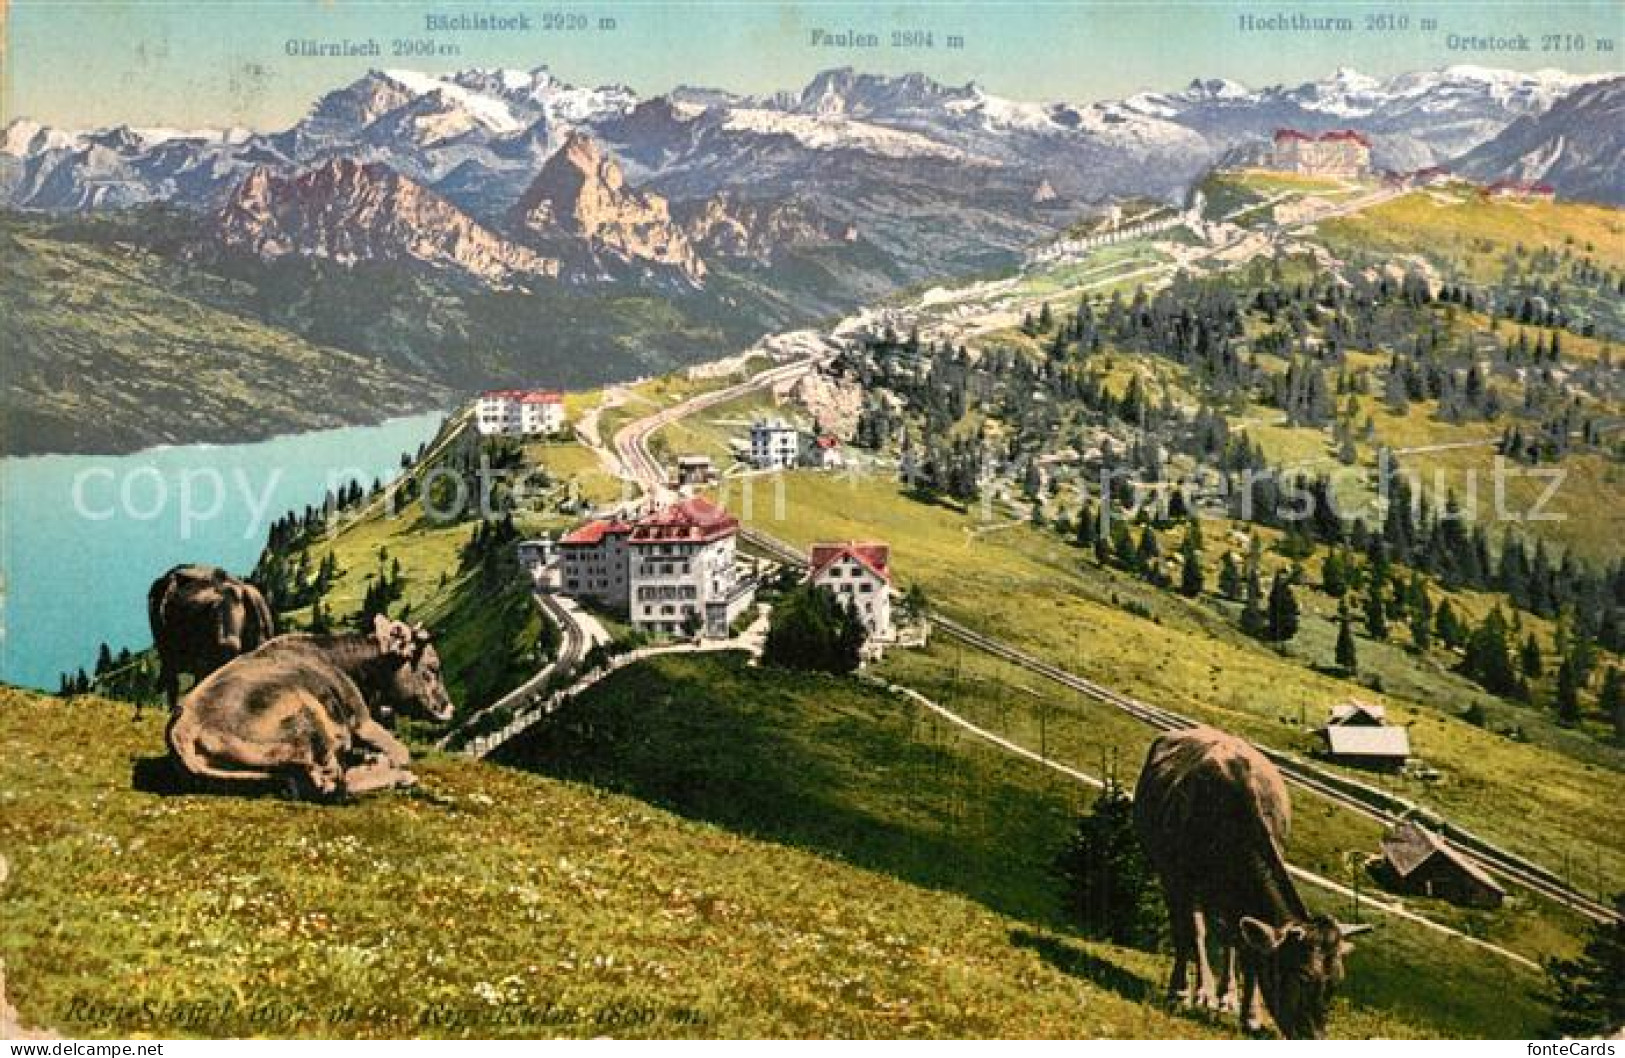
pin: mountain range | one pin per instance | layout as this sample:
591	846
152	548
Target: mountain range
1576	146
937	178
504	227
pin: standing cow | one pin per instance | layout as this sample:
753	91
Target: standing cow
302	708
201	618
1214	816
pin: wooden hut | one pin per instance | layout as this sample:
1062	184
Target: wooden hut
1416	860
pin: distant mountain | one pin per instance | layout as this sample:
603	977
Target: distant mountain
109	350
753	211
479	137
732	225
1576	146
346	211
1413	119
580	203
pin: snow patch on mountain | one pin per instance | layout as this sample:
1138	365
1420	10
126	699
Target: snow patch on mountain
832	133
493	113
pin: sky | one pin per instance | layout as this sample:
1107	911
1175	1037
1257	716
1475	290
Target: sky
214	63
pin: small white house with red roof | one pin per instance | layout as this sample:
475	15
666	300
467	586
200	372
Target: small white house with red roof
859	574
519	413
823	451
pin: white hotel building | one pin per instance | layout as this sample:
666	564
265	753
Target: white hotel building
774	444
519	413
670	571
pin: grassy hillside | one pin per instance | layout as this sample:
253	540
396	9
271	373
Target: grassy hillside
1038	592
100	357
489	902
856	775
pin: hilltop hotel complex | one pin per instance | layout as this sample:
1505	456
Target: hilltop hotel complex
1345	153
672	571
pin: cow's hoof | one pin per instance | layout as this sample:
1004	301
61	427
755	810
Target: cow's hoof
406	778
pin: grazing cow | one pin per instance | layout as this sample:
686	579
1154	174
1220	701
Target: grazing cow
201	618
302	708
1214	815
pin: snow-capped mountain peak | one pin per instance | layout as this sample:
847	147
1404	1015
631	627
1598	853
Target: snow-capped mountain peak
490	111
24	137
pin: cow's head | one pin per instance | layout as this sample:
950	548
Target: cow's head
1299	966
411	681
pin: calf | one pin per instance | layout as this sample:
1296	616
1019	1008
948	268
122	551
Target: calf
302	708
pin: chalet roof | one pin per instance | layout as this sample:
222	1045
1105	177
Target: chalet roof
1345	134
524	396
1409	845
875	557
694	520
1349	740
1522	187
593	533
1282	135
1354	711
694	461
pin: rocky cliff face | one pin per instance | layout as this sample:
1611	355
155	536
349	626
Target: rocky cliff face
580	201
1575	146
348	211
732	226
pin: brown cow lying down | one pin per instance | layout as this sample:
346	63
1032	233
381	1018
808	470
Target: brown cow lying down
302	708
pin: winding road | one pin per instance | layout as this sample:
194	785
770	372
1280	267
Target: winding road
632	440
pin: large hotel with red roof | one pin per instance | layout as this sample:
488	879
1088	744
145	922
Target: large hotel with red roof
672	571
1342	153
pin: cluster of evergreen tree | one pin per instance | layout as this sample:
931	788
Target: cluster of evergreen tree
1109	890
492	538
384	589
1588	991
813	631
124	675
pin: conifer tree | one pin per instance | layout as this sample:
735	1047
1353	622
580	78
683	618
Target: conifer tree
1229	577
1283	609
1191	580
1347	657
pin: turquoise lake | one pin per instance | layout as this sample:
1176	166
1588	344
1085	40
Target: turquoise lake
83	537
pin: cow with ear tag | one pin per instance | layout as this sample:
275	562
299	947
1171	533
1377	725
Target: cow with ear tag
303	708
1214	817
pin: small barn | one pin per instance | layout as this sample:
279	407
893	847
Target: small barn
1358	733
695	470
1416	860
